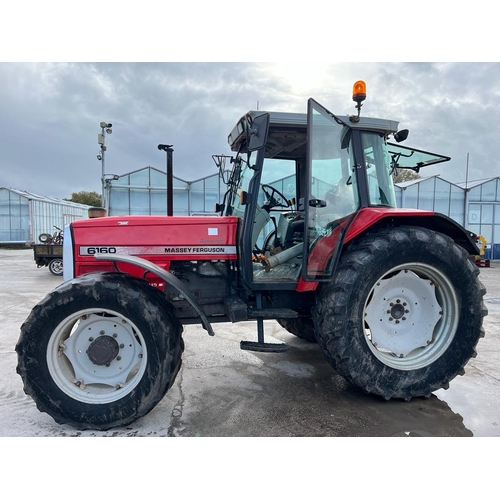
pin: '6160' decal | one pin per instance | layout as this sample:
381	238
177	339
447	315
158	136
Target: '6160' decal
96	250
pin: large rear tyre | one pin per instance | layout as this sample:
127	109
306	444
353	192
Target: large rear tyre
100	351
300	327
403	314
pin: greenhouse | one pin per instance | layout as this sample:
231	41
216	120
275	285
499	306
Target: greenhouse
24	216
475	204
144	192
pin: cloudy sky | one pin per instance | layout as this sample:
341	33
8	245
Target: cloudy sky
50	111
51	114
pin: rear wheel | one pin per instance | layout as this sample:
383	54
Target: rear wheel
100	351
300	327
403	314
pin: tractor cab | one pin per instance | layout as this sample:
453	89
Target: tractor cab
298	183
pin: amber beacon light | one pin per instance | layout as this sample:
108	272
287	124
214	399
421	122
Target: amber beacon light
358	95
359	91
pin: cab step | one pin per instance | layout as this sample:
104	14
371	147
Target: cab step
260	315
272	313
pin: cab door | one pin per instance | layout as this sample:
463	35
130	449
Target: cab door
332	198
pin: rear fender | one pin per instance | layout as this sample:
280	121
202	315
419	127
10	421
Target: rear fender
371	219
168	277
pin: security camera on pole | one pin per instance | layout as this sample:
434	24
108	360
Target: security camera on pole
101	139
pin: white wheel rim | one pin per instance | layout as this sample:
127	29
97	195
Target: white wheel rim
96	356
411	316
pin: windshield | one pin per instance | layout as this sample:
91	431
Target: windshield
378	171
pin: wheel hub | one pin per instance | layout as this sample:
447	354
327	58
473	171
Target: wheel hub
397	311
402	313
103	350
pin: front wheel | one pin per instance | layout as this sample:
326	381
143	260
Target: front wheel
404	313
100	351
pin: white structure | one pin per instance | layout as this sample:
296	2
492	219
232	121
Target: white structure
24	216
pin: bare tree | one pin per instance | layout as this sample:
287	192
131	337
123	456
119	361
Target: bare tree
403	175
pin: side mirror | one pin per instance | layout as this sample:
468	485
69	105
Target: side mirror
315	203
402	135
257	132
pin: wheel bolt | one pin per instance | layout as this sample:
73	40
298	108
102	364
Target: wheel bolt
122	346
407	311
398	301
102	332
391	304
118	358
91	339
115	335
391	319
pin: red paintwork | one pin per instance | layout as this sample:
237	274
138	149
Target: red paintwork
160	239
365	218
149	236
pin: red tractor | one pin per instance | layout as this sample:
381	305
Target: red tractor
308	234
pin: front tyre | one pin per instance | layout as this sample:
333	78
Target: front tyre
100	351
403	314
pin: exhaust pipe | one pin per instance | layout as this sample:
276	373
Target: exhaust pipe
282	257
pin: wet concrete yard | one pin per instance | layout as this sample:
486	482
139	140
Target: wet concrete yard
224	391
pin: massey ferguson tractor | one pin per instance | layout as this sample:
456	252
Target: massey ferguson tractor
308	234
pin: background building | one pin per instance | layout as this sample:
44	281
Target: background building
475	205
24	216
144	192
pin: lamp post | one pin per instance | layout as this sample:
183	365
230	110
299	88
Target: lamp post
101	140
170	177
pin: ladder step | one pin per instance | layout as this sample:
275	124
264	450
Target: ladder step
274	313
263	346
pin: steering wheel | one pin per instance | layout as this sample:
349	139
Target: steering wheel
278	201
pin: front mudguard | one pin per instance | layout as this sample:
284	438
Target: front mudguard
168	277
